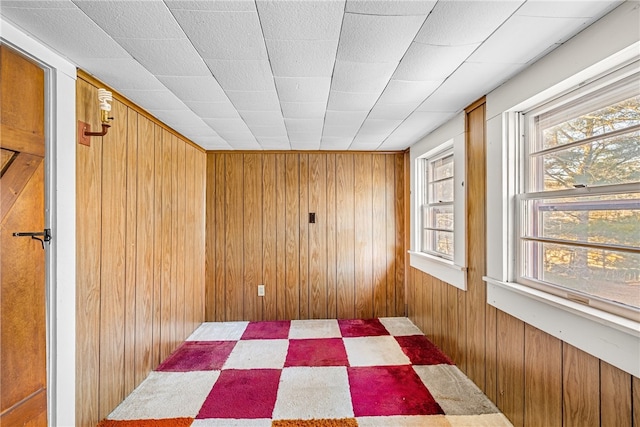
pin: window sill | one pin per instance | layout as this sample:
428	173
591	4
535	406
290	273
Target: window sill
440	268
611	338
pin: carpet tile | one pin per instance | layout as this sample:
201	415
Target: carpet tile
307	373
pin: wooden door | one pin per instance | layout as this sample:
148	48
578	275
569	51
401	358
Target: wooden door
23	395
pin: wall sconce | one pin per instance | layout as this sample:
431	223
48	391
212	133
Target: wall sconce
105	97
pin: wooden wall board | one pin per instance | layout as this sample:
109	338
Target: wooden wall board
303	206
615	396
332	224
580	388
269	237
252	244
345	236
292	237
363	239
379	243
318	237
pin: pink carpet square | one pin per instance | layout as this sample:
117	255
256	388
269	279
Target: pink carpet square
317	352
389	390
267	330
421	351
198	356
247	394
362	328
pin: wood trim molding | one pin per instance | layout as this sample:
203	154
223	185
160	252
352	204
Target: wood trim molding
301	152
83	75
475	104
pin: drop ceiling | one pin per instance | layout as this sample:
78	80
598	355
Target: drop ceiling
301	74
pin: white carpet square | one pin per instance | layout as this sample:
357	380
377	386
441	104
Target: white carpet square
404	421
226	331
308	393
400	326
167	395
374	351
227	422
258	354
302	329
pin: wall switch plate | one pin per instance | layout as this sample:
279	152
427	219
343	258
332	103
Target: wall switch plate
260	290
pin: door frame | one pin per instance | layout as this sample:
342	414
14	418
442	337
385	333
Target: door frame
60	216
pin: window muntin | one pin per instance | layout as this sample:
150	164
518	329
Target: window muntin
437	205
579	225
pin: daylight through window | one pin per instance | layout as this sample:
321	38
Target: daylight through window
437	205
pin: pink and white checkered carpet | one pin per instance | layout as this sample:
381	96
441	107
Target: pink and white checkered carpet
377	372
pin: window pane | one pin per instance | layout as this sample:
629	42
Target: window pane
607	274
614	160
441	191
442	168
440	217
439	242
617	116
611	219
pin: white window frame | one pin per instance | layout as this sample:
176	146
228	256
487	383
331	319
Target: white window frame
450	137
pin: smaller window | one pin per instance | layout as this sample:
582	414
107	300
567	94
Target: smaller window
436	205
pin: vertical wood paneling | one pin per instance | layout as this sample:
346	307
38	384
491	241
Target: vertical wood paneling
491	349
511	368
363	200
379	237
345	236
543	379
269	237
615	396
292	237
318	237
580	388
144	220
137	283
635	391
220	237
234	236
89	240
437	312
391	225
400	227
332	256
211	253
428	317
303	159
252	236
281	241
112	296
131	254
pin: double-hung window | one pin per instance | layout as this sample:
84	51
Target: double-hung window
578	211
437	205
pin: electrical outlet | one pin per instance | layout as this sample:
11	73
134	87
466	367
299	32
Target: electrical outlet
260	290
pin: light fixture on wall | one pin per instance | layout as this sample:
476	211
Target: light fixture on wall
84	129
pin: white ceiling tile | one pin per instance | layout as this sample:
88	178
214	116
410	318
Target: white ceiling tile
156	99
392	111
175	57
213	109
241	142
429	62
394	145
262	118
370	38
181	119
38	4
454	23
393	7
213	143
363	77
335	143
364	145
348	101
276	131
448	99
301	20
213	6
229	35
242	75
303	89
303	110
81	38
254	100
195	89
227	125
374	127
304	126
523	38
123	74
567	9
340	131
148	19
305	146
405	92
302	58
351	119
274	143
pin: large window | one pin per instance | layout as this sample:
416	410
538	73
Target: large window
579	206
437	205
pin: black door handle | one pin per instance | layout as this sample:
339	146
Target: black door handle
35	235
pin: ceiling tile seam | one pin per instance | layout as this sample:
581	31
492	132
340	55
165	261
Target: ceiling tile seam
386	14
210	72
389	81
273	78
333	70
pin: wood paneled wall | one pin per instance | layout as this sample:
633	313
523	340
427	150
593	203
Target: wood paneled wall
140	245
534	378
349	264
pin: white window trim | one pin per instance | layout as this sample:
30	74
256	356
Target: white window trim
450	271
611	338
